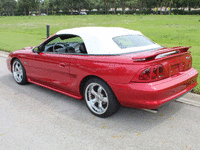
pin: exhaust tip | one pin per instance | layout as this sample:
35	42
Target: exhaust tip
151	110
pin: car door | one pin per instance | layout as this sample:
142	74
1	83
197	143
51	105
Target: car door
51	70
50	67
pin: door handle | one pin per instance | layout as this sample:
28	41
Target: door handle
62	64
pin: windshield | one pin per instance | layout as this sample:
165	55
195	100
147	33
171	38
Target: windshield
129	41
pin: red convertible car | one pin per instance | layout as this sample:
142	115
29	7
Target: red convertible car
108	67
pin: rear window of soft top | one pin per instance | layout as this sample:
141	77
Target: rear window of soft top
128	41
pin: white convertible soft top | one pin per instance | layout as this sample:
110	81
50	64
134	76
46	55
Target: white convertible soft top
99	40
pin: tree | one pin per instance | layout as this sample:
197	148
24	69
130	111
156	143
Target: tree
25	6
8	6
122	4
45	4
1	7
28	5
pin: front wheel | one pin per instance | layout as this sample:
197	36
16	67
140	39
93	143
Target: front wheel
19	72
99	98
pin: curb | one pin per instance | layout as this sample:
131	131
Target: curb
1	55
190	98
188	101
4	54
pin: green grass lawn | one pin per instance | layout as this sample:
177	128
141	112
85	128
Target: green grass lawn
169	31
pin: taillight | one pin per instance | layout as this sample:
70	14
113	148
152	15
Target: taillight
152	73
145	75
186	65
160	73
160	69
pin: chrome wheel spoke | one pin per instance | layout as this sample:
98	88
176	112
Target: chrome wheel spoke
105	99
15	75
95	108
93	100
99	90
20	76
94	93
20	69
101	106
17	67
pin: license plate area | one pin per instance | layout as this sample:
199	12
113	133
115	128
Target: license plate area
174	69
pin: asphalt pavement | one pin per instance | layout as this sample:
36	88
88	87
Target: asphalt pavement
33	117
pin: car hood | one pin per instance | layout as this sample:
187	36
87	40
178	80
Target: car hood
24	50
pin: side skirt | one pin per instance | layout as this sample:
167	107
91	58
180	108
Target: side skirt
59	91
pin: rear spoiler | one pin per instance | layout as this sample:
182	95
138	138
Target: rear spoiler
151	55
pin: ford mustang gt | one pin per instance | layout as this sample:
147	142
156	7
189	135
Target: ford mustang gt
107	67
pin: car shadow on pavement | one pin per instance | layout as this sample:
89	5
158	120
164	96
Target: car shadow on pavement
126	119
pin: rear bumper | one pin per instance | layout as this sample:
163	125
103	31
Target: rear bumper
154	94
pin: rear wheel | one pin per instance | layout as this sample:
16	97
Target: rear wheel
19	72
99	98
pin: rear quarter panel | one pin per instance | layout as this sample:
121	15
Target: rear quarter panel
112	69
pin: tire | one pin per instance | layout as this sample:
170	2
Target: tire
99	98
19	72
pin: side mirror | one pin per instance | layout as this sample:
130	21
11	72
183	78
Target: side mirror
36	49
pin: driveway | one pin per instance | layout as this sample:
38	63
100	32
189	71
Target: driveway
33	117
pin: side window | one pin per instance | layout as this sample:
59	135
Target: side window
56	45
65	44
74	40
56	40
76	44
